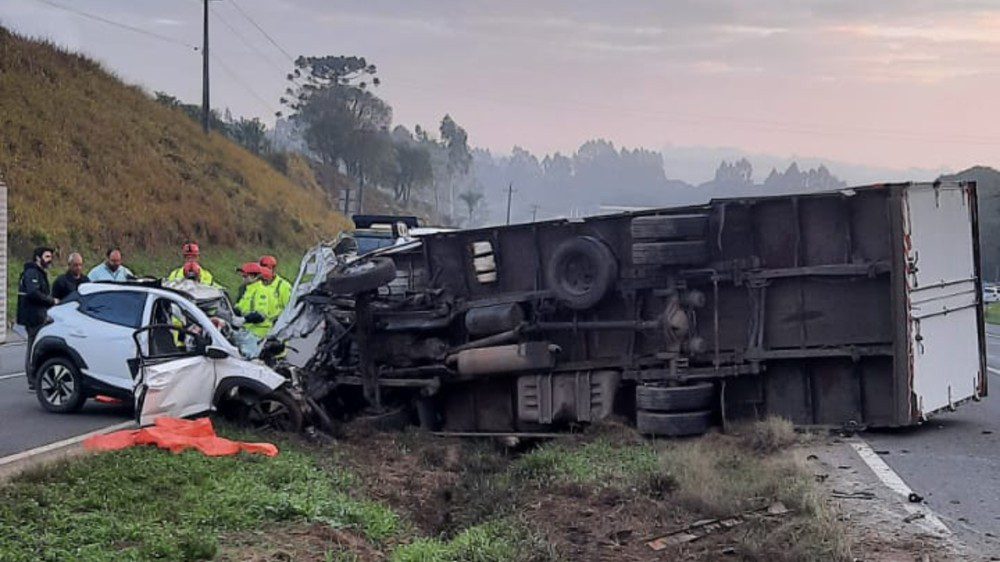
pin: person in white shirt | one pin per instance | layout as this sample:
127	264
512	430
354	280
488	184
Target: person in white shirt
111	269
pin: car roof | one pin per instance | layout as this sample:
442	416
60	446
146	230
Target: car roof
108	286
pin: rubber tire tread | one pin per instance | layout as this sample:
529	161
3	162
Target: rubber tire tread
348	282
604	278
281	395
669	227
78	398
678	424
678	252
688	398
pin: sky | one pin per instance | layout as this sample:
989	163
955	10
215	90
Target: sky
891	83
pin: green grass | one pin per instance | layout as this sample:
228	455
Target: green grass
144	504
993	313
598	463
502	540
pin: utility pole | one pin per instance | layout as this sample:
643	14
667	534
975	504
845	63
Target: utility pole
534	213
347	202
205	108
510	193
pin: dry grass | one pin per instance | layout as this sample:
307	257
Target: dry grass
92	162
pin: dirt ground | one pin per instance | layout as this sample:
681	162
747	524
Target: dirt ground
441	486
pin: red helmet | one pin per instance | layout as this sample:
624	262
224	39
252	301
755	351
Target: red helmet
269	262
191	250
266	273
249	268
192	271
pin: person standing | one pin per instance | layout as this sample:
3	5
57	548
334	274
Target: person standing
259	305
250	273
191	253
33	300
67	283
111	269
281	287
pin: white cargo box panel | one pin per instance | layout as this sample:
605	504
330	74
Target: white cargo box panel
942	296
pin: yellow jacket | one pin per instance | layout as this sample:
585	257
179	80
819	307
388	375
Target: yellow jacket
178	275
264	299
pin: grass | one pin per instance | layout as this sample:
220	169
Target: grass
143	504
993	313
501	540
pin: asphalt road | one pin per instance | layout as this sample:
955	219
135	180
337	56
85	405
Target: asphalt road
23	422
953	461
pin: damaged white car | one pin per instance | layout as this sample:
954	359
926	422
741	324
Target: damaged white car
158	347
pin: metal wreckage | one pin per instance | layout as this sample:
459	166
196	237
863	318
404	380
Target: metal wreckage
858	307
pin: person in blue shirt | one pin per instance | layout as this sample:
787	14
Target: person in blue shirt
111	269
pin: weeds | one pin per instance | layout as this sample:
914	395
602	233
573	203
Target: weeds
502	540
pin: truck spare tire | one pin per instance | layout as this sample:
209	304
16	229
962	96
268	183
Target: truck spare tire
680	424
687	398
360	276
581	271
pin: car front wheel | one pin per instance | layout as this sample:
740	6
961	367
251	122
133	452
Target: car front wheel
58	386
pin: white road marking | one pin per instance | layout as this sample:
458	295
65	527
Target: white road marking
64	443
11	376
896	484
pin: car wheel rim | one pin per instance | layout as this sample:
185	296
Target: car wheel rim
57	385
270	414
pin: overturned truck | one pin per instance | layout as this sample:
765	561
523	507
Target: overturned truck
859	307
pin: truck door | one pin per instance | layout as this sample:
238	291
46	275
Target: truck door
943	295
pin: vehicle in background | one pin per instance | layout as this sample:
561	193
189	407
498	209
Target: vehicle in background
991	294
372	232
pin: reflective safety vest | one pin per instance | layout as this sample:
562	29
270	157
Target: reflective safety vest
265	300
178	275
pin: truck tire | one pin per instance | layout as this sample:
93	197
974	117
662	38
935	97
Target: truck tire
581	271
58	386
670	227
688	398
679	424
360	276
679	252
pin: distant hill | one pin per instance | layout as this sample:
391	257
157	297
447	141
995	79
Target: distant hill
91	162
988	188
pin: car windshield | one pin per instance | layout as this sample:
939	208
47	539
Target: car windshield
369	243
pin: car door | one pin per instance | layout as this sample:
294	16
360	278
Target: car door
103	334
174	376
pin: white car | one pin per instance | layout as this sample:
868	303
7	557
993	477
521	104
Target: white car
991	294
154	346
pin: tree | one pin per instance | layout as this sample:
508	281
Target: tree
251	133
413	169
472	199
456	143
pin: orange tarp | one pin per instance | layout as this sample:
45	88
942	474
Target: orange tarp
177	435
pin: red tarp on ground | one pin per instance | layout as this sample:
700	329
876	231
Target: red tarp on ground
177	435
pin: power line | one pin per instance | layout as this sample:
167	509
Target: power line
246	41
261	30
236	78
119	24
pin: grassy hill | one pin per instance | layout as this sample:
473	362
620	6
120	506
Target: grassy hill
92	162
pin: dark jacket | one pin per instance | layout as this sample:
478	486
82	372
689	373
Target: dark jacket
33	297
66	284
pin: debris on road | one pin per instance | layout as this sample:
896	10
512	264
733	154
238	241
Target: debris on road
178	435
705	527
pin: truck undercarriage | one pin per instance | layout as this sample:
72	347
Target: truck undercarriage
827	309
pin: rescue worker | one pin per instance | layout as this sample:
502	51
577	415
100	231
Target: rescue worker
192	253
259	305
193	271
249	272
280	285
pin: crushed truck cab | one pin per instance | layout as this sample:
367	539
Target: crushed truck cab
858	307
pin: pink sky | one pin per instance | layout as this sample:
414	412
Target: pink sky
891	83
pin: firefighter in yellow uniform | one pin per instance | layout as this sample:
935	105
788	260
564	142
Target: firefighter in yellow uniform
191	255
280	285
260	305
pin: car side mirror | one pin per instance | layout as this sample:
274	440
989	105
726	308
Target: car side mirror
213	352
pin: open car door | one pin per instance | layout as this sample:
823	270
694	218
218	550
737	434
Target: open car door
174	373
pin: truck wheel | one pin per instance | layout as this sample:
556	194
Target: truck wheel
688	398
58	387
673	425
581	271
361	276
680	252
278	411
670	226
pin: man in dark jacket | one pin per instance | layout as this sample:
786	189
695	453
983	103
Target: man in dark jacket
67	283
33	299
